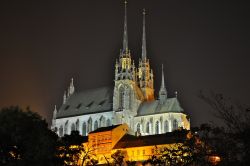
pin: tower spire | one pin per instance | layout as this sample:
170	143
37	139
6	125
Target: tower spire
163	91
162	78
125	32
144	50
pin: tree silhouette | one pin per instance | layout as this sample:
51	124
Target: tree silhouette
25	138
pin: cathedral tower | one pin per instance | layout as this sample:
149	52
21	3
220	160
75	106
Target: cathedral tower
127	95
145	74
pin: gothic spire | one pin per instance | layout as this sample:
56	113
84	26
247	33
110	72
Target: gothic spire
144	50
162	78
125	32
163	91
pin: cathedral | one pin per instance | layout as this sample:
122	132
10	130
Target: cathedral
131	101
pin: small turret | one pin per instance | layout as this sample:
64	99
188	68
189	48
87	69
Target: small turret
54	112
163	91
71	87
54	119
64	97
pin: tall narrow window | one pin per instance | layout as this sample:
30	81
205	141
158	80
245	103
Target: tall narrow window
147	127
95	125
73	127
90	125
66	128
121	97
157	128
102	121
77	125
175	124
84	133
138	128
166	129
108	122
61	131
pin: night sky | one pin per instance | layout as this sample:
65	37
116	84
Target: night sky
204	45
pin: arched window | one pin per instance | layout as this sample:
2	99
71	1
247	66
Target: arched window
96	125
66	128
73	127
77	125
61	131
108	122
84	133
157	128
138	128
147	127
90	125
102	121
175	124
127	105
166	128
121	98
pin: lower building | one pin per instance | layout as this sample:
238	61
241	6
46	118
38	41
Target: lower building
107	143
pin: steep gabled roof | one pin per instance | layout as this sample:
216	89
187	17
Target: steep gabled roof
154	107
102	129
87	102
129	141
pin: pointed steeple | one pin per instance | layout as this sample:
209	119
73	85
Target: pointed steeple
55	112
125	32
71	87
163	91
162	78
144	49
64	97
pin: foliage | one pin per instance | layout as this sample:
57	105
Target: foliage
25	138
71	148
118	157
235	136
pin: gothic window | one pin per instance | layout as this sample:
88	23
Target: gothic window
61	131
166	129
73	127
175	124
108	122
147	127
77	125
138	128
84	129
66	128
128	98
102	121
121	97
90	125
95	125
157	128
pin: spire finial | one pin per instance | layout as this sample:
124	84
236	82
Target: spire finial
144	50
125	33
162	77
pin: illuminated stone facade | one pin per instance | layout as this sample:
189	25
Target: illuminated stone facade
106	141
131	101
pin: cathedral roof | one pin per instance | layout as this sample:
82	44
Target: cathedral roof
102	129
155	107
87	102
129	141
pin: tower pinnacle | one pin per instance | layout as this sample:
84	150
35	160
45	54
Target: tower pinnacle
162	78
125	32
144	50
163	91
